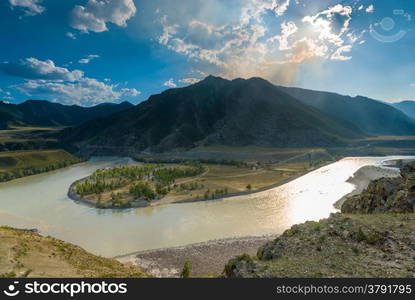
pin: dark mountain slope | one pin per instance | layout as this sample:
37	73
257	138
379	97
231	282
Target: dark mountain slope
370	116
407	107
45	113
214	111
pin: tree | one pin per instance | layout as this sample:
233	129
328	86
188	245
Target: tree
249	187
187	269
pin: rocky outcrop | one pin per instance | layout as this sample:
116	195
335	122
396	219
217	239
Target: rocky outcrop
242	266
355	245
386	195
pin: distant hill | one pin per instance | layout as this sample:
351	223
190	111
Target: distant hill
45	113
408	107
370	116
214	111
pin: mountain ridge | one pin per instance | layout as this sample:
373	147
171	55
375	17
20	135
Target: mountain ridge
215	111
370	116
46	113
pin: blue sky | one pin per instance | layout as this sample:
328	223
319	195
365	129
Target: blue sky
92	51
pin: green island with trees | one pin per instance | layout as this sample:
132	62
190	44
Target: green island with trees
132	186
157	181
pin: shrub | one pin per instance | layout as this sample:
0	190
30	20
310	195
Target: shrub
360	236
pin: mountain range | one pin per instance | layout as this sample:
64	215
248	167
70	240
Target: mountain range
238	113
370	116
216	111
45	113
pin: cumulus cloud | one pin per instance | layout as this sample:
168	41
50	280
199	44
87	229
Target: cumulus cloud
322	23
88	58
170	83
32	68
86	91
30	7
95	15
256	38
45	79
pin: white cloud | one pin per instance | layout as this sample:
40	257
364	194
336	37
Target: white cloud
322	23
32	68
30	7
71	35
130	92
45	79
305	49
370	9
86	91
170	83
338	55
5	95
287	30
255	9
253	40
95	15
189	80
88	58
168	31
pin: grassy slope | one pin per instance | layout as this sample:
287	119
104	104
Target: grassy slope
11	161
26	254
379	245
27	134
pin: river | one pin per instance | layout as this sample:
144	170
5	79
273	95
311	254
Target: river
41	202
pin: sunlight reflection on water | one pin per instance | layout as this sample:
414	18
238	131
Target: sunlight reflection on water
41	202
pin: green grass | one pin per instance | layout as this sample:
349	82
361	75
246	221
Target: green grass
18	164
11	161
26	134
